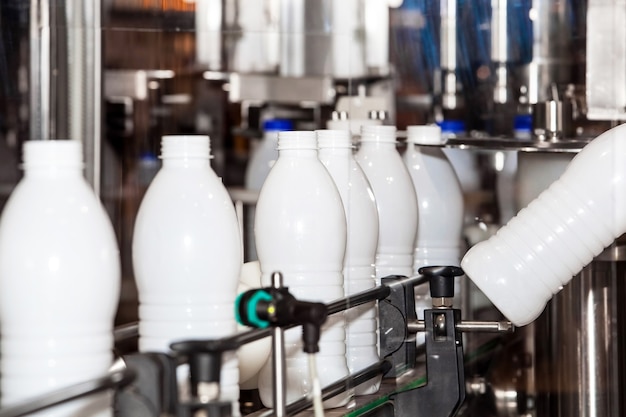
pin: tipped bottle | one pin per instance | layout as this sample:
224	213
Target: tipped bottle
359	270
300	231
536	253
396	201
187	256
59	281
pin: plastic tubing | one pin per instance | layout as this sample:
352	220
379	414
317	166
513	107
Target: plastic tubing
537	252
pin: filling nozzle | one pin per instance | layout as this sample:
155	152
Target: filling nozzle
448	60
499	50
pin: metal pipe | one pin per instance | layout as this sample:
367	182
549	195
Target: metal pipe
131	330
363	297
40	68
115	379
66	76
448	47
467	326
499	49
279	368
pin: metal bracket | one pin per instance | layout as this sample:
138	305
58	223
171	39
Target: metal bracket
396	343
444	391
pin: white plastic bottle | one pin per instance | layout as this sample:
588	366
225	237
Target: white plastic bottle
396	201
439	198
440	208
359	271
300	231
187	255
538	251
59	281
261	161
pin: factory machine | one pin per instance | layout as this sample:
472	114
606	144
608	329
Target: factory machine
518	87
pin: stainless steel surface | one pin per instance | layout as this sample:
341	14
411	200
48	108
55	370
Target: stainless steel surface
442	302
552	120
580	343
84	49
499	36
126	83
553	45
208	391
500	143
209	21
65	76
41	66
305	41
285	90
448	47
125	332
606	77
499	49
485	326
279	367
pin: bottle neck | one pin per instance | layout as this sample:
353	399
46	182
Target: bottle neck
335	151
53	171
298	153
183	162
382	145
52	158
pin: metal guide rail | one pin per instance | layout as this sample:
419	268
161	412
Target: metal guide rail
147	385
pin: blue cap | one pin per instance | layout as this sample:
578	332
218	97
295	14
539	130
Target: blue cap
277	125
452	126
147	156
523	122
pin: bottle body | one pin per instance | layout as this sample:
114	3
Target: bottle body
59	281
359	269
396	201
300	231
187	255
439	198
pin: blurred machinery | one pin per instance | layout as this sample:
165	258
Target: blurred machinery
118	74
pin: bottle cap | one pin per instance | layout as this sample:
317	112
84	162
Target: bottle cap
452	126
57	152
385	134
329	138
185	146
523	122
297	139
424	135
277	125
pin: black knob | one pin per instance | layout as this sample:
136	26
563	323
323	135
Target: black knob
441	279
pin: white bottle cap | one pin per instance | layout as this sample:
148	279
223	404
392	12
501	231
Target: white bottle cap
353	125
424	135
334	139
378	134
297	139
37	153
185	146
